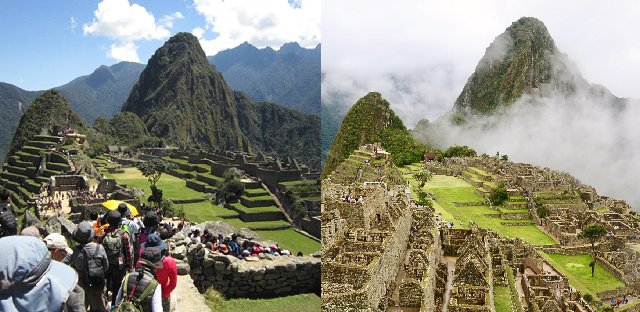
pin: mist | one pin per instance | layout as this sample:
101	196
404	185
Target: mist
594	138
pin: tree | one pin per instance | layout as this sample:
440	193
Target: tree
498	196
459	151
231	188
423	177
423	199
593	233
504	157
154	168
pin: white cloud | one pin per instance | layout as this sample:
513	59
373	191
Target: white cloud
124	52
198	32
168	20
126	23
368	41
74	24
259	22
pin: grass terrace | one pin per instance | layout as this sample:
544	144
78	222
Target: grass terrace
292	240
172	187
175	188
502	298
449	190
302	303
577	269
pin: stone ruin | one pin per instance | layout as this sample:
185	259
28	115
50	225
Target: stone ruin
364	223
473	281
364	248
571	205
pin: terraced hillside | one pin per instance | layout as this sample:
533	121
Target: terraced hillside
188	185
365	166
459	201
30	166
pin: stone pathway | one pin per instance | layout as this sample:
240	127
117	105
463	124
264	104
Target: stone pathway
186	298
451	266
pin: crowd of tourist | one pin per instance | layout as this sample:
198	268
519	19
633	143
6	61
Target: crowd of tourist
232	245
117	261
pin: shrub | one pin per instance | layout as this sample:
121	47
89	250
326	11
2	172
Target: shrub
459	151
498	196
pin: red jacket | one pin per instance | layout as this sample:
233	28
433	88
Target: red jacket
167	276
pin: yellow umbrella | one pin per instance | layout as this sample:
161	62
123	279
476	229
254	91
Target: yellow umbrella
113	205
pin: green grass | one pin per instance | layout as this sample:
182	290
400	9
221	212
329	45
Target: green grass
512	288
301	303
256	209
257	191
502	298
204	211
256	198
577	269
291	240
451	189
172	187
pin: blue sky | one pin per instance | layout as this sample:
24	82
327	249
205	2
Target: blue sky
49	43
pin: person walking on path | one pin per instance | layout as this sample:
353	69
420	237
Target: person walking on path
90	261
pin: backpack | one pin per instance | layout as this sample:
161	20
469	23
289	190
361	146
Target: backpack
112	243
94	274
8	222
125	227
131	304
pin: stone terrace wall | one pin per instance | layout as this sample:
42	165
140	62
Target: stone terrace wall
284	275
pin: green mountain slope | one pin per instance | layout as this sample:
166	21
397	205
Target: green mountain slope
50	111
368	121
13	102
183	99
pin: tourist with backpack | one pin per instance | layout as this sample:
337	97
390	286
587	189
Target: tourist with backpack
140	291
91	262
128	225
167	275
150	221
8	222
117	246
32	281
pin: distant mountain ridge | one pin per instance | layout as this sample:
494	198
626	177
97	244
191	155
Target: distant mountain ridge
103	92
289	76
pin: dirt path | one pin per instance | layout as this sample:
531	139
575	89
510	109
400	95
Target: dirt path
186	298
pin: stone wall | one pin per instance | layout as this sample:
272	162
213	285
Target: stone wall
281	276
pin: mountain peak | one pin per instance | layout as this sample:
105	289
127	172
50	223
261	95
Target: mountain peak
49	111
371	120
181	97
521	60
532	31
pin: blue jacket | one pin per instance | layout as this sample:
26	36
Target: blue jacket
29	279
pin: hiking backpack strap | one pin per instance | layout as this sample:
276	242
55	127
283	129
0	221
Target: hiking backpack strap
151	287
